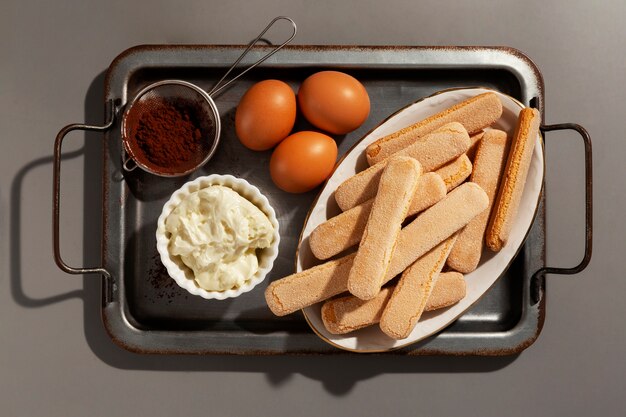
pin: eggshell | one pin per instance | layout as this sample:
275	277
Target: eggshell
265	115
303	161
334	101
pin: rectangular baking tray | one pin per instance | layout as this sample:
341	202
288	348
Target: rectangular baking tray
145	311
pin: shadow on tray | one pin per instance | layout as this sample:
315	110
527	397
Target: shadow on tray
278	369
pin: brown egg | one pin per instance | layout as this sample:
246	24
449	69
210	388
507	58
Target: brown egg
334	101
265	115
303	161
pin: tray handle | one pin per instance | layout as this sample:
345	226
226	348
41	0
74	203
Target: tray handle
536	278
57	194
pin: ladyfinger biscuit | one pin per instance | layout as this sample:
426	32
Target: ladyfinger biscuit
475	141
454	173
512	184
346	229
488	166
296	291
432	151
430	228
437	224
395	192
449	289
475	114
408	299
346	314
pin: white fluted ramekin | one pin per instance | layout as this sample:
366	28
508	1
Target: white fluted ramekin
183	275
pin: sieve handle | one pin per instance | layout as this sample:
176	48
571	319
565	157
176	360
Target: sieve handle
57	195
219	86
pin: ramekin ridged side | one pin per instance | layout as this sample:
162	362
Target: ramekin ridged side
184	277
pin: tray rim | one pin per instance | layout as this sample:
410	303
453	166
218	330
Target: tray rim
123	333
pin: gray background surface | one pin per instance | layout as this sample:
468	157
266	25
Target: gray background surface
55	357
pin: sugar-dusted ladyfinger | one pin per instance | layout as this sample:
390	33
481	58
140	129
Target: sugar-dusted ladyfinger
475	113
455	172
432	151
348	313
488	167
408	300
475	141
449	289
346	229
430	228
392	202
296	291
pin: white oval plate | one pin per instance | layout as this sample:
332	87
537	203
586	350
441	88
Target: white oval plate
492	265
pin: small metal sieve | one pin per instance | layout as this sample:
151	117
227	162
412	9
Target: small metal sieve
197	101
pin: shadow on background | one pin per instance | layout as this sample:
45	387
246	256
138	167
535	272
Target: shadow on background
278	369
15	236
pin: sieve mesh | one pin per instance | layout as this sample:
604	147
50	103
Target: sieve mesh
194	107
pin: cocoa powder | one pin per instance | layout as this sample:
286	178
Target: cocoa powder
169	135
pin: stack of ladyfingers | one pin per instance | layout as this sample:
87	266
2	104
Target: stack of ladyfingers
434	194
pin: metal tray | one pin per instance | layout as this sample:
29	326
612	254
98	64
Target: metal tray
145	311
